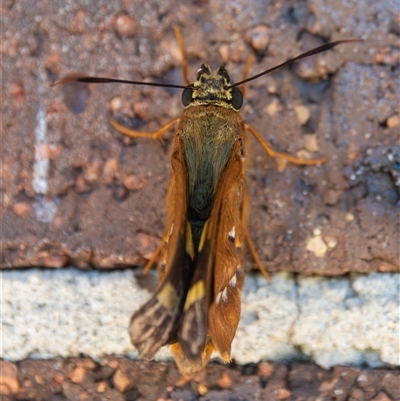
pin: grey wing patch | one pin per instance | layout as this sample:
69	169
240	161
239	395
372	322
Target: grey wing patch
193	330
153	325
192	333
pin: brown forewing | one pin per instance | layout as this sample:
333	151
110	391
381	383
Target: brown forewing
226	233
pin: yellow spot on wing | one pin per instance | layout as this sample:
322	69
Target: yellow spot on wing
168	298
196	292
189	241
238	241
203	235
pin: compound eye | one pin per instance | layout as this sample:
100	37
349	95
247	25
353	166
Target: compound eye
187	96
237	98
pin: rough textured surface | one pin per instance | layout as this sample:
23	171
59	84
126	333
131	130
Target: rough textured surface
341	321
74	191
120	379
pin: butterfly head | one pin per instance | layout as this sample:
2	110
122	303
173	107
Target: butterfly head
210	89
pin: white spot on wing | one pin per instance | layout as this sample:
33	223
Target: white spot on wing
232	233
222	295
218	300
232	281
225	294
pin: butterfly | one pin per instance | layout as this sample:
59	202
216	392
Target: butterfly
196	308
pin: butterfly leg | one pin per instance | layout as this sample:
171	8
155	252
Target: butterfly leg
152	135
273	153
154	257
252	248
179	39
255	256
139	134
249	62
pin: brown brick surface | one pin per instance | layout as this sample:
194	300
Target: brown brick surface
74	191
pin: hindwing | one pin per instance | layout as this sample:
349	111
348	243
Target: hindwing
155	323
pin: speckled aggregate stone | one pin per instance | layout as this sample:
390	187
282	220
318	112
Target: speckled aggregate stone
349	320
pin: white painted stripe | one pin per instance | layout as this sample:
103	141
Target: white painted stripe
41	163
45	208
347	320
